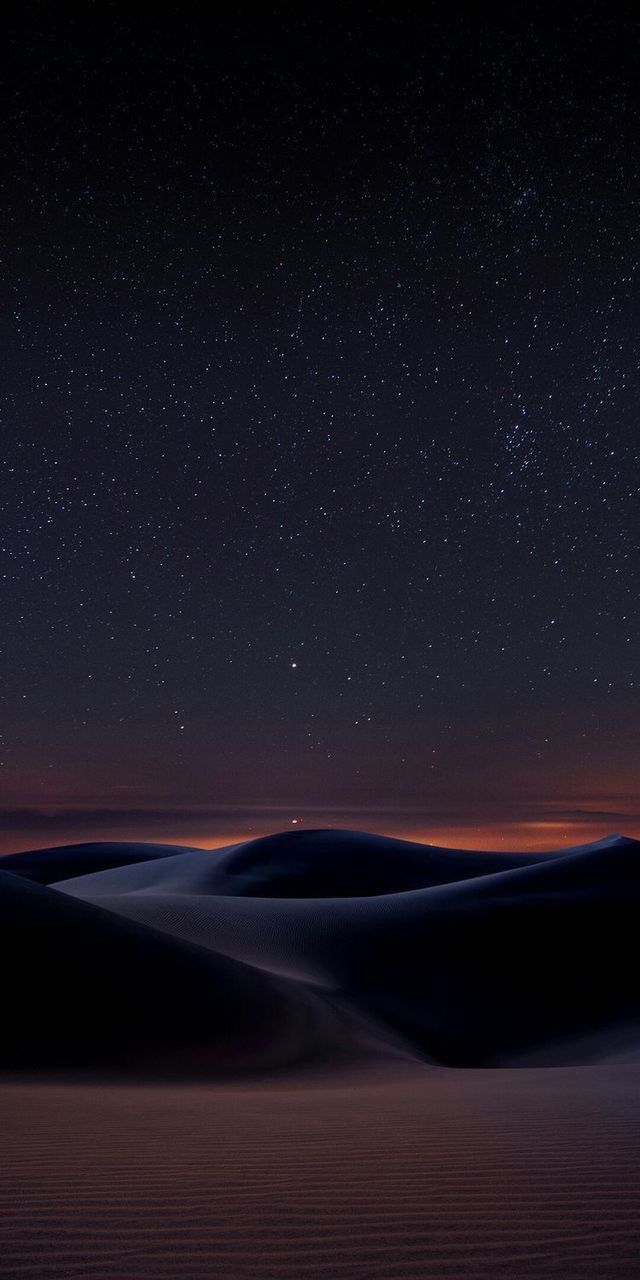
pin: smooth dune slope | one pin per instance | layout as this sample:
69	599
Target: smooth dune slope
84	988
308	864
475	971
45	866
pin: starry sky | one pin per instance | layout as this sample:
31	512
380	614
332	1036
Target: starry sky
320	461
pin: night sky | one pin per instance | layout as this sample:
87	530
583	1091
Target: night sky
320	455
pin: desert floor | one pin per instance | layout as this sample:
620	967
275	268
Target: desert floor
386	1171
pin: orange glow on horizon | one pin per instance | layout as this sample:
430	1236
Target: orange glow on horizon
512	834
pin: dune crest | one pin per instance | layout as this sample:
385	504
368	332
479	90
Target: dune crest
85	989
62	862
449	956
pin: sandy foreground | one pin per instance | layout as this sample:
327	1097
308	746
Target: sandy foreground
391	1171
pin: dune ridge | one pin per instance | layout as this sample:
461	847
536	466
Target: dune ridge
449	956
85	989
64	861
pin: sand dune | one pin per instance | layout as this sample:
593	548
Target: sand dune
315	979
308	864
281	947
472	971
83	988
45	866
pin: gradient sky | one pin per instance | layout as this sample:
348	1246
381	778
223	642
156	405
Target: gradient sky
319	399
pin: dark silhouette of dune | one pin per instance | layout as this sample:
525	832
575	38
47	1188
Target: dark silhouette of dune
337	864
477	966
308	864
86	988
46	866
240	959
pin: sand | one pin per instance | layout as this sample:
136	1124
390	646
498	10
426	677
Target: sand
327	1055
472	966
398	1171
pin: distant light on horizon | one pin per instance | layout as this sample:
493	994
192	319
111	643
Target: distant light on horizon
515	834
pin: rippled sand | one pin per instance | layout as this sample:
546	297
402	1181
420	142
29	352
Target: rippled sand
399	1171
